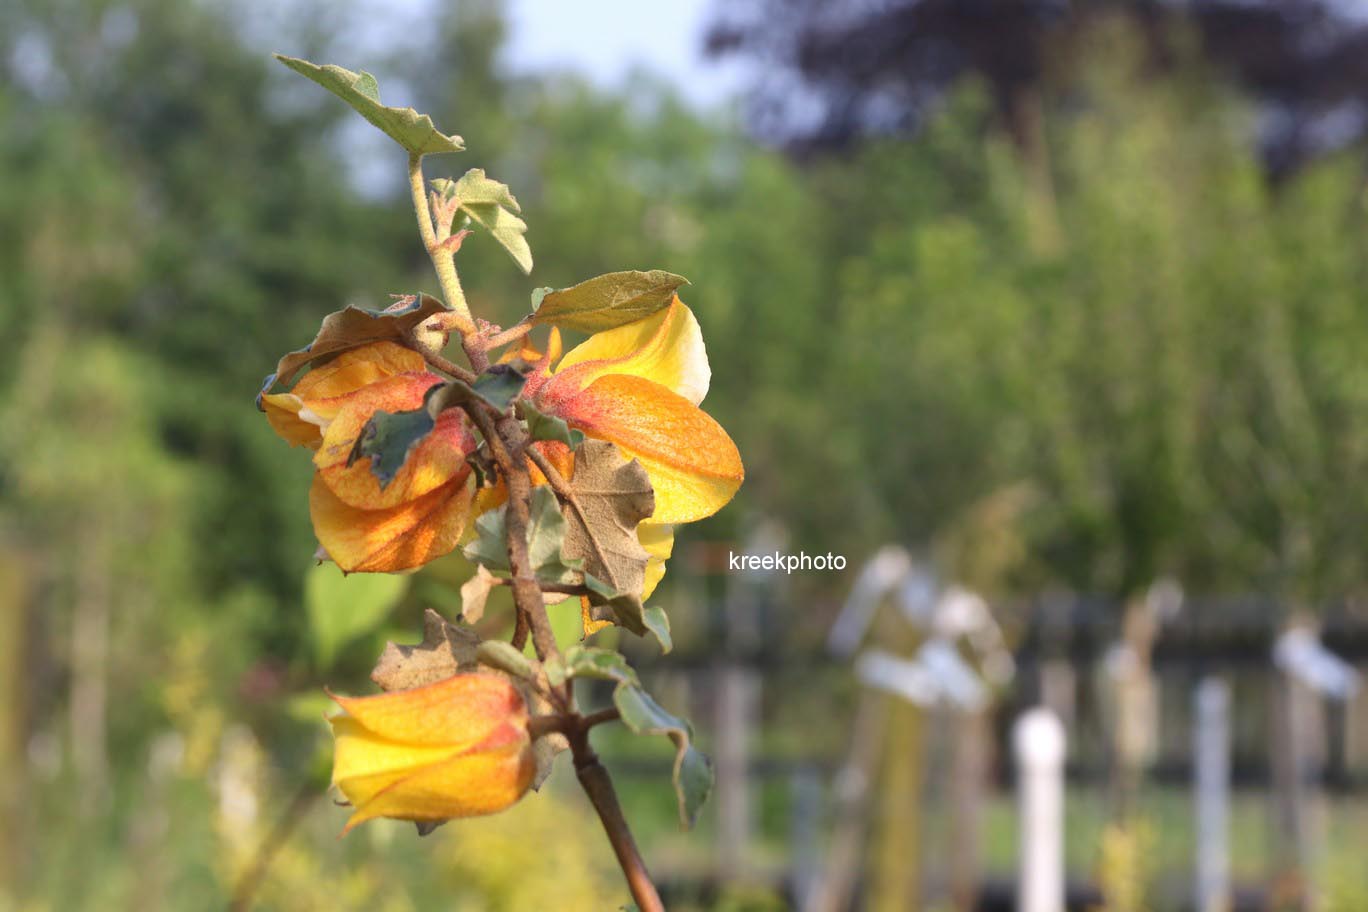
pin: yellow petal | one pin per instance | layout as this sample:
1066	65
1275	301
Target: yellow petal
483	780
693	465
658	540
666	347
367	762
405	536
282	411
531	354
459	712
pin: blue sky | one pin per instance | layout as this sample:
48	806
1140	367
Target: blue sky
605	39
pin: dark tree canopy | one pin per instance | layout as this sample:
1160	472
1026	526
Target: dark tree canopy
834	72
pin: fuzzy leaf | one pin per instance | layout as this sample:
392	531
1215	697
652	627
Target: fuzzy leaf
693	775
499	386
506	658
405	126
549	427
490	205
342	607
611	496
388	437
545	534
475	593
446	650
607	301
353	327
591	662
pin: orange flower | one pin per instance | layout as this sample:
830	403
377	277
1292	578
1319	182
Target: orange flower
422	512
456	748
639	386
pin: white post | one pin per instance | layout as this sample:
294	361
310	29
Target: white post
1211	779
1038	740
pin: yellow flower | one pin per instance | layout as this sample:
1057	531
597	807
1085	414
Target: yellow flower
456	748
639	386
421	514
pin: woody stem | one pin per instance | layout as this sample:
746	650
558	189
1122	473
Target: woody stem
594	779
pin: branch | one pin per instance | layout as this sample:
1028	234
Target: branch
594	779
512	334
449	368
610	714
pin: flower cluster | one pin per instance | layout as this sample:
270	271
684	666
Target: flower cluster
638	386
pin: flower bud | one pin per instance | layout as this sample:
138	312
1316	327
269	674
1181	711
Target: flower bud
456	748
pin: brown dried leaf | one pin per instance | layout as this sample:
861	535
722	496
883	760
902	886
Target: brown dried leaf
475	592
446	650
355	326
611	497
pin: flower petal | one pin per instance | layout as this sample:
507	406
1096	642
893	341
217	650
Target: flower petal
694	466
658	540
356	368
437	459
300	415
460	712
365	763
483	780
283	412
666	347
405	536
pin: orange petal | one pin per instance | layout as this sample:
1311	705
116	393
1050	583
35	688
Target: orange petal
405	536
358	367
694	466
666	347
300	415
437	459
460	712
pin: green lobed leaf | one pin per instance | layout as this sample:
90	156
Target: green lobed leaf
693	775
545	534
580	661
491	205
607	301
657	621
549	427
353	327
414	131
388	437
342	607
499	386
